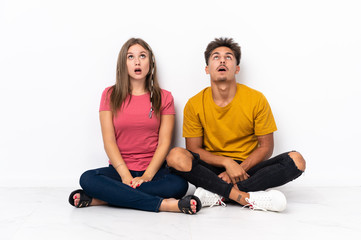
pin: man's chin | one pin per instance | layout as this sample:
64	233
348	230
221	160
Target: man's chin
221	79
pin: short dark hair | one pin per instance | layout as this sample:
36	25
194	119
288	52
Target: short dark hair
223	42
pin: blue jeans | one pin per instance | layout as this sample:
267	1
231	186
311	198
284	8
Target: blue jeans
106	184
274	172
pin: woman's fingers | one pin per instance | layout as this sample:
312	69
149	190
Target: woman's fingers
136	182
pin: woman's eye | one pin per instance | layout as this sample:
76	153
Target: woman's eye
130	57
143	56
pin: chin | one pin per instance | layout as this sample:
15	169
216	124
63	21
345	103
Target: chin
221	79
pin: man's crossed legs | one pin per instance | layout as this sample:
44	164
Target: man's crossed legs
271	173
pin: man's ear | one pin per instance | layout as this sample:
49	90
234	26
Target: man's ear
207	70
237	69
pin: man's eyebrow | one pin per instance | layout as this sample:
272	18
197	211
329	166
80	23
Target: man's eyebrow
227	53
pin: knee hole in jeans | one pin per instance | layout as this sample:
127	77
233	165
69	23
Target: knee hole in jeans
298	160
180	159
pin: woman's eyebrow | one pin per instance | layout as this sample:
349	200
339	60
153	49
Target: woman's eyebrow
140	52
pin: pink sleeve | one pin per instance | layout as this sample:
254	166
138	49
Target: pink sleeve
105	100
167	103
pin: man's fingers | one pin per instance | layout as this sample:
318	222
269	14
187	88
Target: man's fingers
233	180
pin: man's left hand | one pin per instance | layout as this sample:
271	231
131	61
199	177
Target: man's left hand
236	172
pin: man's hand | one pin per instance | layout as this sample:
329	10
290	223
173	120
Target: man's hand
224	176
235	172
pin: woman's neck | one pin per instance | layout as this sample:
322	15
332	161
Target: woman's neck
138	87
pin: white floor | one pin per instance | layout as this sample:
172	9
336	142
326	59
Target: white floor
312	212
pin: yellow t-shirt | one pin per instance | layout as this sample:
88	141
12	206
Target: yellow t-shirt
231	130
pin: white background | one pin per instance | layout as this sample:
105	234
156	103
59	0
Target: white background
56	57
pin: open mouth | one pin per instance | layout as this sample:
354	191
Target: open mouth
222	69
138	70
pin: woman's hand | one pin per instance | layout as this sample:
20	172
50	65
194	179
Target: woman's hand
127	180
136	182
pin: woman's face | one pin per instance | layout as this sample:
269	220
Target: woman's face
137	62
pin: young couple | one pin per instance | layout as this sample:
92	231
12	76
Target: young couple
228	129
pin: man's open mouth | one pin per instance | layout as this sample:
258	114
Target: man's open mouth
222	69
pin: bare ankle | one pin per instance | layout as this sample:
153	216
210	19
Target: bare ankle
169	205
238	196
97	202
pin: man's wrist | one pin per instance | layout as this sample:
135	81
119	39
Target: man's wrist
244	166
226	161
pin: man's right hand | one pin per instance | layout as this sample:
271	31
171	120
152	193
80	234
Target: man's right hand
224	176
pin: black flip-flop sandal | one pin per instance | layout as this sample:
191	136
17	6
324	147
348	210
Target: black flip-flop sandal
184	204
85	200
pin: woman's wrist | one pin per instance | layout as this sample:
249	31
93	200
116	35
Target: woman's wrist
118	165
122	170
147	176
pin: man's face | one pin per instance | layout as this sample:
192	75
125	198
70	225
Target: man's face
222	64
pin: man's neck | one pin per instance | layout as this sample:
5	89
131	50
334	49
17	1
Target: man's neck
223	92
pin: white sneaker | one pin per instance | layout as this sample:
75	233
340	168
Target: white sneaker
208	198
272	200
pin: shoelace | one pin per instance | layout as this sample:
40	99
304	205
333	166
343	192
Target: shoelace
253	205
217	201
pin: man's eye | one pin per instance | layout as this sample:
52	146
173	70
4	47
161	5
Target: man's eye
229	57
215	57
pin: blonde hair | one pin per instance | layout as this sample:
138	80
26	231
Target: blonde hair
122	88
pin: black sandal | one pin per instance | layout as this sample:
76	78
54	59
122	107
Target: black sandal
184	204
85	200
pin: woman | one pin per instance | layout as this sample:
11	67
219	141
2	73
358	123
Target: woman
137	121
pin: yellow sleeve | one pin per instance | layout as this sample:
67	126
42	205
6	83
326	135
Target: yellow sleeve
192	126
264	121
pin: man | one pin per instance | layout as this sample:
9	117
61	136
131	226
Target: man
229	137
